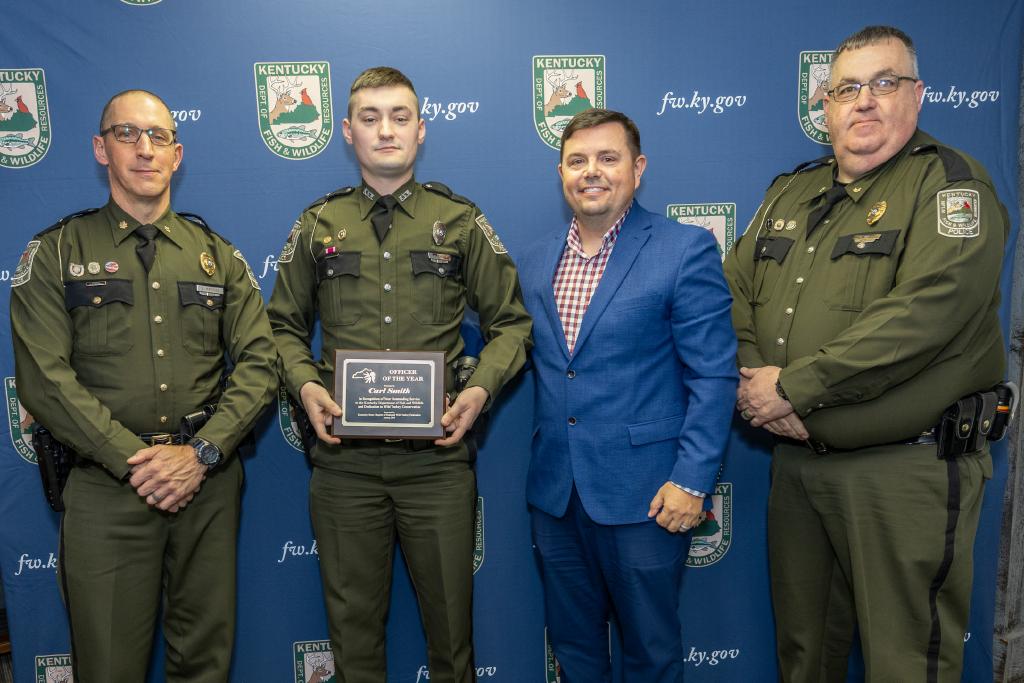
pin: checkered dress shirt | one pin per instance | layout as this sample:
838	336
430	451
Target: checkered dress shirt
578	275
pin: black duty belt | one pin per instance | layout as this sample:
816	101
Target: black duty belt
923	439
158	438
404	444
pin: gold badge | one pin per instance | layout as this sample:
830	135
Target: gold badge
342	234
327	239
876	212
207	263
863	240
123	225
780	224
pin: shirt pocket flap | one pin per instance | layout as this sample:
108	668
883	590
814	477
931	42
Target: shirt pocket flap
97	293
881	242
201	294
774	248
437	263
655	430
335	265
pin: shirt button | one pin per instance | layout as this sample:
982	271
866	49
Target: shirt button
440	270
160	352
163	387
571	374
827	220
780	341
158	319
387	320
789	311
800	280
387	255
572	420
387	286
209	302
810	250
96	299
156	285
163	419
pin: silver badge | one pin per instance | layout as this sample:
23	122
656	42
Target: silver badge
93	267
76	269
439	232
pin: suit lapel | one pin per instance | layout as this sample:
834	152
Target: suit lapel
633	235
552	255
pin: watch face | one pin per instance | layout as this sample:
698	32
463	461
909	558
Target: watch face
207	453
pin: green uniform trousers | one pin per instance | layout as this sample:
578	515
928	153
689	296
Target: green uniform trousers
118	555
430	504
879	540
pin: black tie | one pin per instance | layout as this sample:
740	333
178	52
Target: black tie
385	210
146	248
832	197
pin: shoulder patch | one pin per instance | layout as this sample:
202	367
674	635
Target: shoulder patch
444	190
23	273
340	192
956	167
248	271
63	221
959	212
807	166
491	235
288	250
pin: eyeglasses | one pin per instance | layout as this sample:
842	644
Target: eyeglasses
883	85
127	133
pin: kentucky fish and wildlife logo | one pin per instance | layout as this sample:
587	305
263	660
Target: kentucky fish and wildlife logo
314	661
552	671
563	86
293	100
54	669
717	218
815	67
959	213
478	541
711	539
24	117
286	420
21	423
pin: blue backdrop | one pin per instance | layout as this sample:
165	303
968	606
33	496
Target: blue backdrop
724	95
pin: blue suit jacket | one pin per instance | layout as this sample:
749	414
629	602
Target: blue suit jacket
651	384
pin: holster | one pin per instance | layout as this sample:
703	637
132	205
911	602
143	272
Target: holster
307	434
55	463
974	419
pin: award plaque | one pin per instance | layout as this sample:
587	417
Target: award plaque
389	394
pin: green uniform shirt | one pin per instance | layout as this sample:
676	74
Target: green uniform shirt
884	313
104	351
408	292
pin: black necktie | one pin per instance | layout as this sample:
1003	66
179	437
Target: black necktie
381	219
146	248
832	197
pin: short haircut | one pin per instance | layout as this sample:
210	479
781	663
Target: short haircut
598	117
381	77
135	91
873	35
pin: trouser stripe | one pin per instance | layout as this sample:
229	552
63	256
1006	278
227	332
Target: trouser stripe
952	516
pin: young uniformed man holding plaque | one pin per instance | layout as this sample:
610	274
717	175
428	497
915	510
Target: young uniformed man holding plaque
390	265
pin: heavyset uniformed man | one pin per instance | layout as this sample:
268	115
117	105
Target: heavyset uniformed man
121	319
866	295
392	264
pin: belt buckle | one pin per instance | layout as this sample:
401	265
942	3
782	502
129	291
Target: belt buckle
161	439
393	440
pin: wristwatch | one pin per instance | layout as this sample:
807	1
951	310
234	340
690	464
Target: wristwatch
206	453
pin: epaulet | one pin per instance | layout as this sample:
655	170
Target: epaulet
827	160
63	221
198	220
955	166
340	192
444	190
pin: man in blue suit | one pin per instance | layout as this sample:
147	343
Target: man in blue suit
635	382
